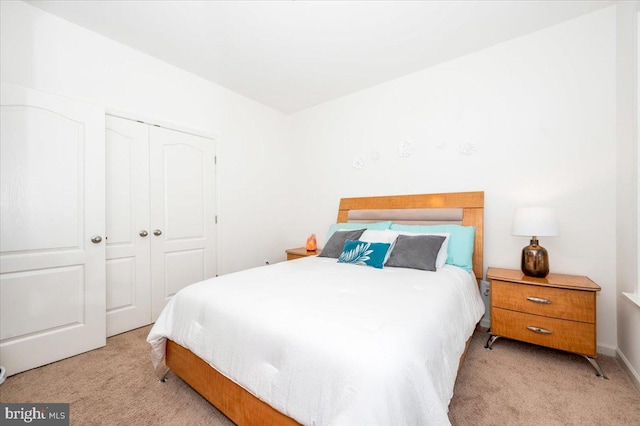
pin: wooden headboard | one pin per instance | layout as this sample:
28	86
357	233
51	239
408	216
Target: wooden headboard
471	203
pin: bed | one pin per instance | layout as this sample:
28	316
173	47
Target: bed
314	341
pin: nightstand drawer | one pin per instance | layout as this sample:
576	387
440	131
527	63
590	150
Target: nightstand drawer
572	336
552	302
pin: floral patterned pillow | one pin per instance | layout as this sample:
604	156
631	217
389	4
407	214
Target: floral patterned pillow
364	253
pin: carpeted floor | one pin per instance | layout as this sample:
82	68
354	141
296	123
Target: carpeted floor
513	384
521	384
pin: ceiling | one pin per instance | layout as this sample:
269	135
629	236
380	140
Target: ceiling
292	55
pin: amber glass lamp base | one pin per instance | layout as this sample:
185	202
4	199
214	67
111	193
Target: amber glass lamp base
535	260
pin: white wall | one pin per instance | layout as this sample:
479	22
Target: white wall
42	51
541	111
627	185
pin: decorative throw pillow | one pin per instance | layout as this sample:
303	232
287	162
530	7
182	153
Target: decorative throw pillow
364	253
442	254
461	240
333	247
416	252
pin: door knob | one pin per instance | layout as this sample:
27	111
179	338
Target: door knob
143	233
157	232
96	239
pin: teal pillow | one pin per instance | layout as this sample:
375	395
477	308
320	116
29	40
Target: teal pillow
364	253
460	249
378	226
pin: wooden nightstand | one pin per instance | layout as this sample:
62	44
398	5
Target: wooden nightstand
558	311
297	253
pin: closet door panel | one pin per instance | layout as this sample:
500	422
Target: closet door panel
121	289
184	190
182	212
128	249
182	268
52	276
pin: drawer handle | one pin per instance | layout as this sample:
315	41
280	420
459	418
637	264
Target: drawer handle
538	300
538	330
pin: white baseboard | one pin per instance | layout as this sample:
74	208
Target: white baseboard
607	350
626	365
485	323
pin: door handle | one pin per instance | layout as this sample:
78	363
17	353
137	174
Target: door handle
157	232
96	239
143	233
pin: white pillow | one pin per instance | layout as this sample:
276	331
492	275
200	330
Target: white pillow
442	253
387	236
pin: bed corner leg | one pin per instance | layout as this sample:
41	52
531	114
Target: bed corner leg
163	377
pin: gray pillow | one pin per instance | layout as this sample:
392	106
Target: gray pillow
416	252
333	247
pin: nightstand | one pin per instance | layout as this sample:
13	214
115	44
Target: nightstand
558	311
297	253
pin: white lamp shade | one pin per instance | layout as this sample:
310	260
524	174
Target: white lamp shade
535	222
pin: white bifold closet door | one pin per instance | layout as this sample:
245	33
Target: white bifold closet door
128	242
182	171
52	268
160	218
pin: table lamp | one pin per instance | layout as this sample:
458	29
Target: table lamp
534	222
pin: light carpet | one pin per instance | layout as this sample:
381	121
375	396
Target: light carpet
513	384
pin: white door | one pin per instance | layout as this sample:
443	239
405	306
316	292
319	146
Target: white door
128	251
182	212
52	276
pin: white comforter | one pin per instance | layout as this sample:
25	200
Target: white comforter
332	344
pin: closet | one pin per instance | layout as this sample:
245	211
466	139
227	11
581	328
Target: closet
160	218
98	228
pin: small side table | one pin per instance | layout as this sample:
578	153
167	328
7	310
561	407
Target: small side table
558	311
299	252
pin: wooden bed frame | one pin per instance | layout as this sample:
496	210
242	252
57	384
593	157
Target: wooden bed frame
471	203
241	406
